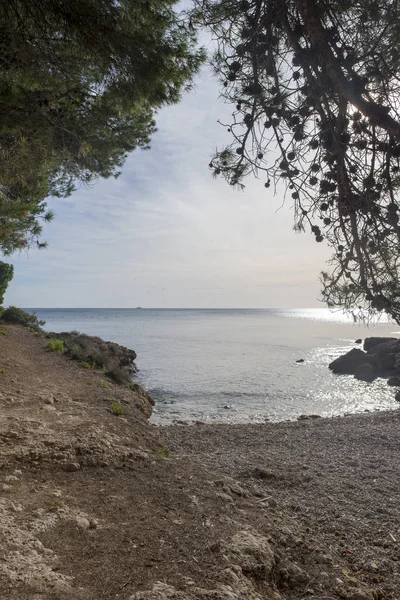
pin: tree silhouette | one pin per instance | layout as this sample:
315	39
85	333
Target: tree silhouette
315	92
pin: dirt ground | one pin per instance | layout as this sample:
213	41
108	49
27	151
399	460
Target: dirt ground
96	506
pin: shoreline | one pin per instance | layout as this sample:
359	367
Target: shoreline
300	418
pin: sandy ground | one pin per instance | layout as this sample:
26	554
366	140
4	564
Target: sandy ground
95	506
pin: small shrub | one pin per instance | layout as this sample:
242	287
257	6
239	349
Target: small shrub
164	452
117	408
88	365
3	332
3	371
89	382
104	384
56	345
17	316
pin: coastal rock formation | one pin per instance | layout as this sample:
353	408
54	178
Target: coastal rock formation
348	363
94	350
377	341
380	358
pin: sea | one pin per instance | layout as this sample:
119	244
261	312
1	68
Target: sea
237	365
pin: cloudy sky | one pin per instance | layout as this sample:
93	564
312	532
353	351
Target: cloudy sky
166	234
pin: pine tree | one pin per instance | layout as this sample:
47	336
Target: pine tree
80	83
314	88
6	274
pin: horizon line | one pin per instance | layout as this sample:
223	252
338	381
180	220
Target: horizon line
177	308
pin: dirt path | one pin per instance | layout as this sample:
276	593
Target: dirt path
93	506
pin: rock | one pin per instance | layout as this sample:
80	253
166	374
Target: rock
397	396
49	408
252	553
264	473
296	576
359	595
160	591
371	342
83	523
348	363
300	360
70	467
387	361
394	381
359	341
365	372
224	496
47	399
308	417
231	486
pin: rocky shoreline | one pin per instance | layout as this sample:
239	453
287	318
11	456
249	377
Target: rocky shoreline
380	357
98	504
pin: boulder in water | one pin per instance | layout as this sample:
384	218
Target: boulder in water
359	341
394	381
348	363
371	342
365	372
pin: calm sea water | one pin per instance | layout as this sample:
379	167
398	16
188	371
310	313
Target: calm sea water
236	365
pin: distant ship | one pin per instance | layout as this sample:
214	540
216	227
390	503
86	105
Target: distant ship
139	308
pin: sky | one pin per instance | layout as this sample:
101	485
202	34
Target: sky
165	234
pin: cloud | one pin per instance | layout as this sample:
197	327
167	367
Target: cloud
165	233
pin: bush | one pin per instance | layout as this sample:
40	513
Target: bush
164	452
56	345
91	352
117	408
6	274
17	316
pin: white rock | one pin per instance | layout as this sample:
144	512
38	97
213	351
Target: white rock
49	407
252	553
82	522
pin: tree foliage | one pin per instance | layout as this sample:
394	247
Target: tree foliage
315	90
80	83
6	275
